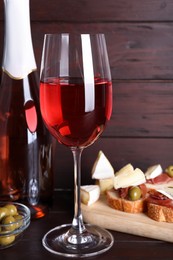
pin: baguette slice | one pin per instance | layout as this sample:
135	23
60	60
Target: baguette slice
115	202
160	213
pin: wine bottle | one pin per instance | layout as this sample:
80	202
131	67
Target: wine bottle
25	145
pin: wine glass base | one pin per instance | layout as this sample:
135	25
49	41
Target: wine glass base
93	242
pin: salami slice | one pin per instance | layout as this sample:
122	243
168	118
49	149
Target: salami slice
123	192
162	178
158	198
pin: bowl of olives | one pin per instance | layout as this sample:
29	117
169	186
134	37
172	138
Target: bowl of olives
14	219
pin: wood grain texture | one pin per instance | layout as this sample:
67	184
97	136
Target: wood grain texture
136	51
139	37
96	11
141	152
138	224
107	11
126	246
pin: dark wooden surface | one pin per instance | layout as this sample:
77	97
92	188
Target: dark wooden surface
125	246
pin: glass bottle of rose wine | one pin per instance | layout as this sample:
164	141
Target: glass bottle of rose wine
25	146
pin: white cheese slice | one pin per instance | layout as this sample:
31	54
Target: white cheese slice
167	191
102	169
127	169
89	194
153	171
105	184
160	186
126	179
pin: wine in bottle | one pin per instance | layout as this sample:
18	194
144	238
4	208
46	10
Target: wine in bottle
25	145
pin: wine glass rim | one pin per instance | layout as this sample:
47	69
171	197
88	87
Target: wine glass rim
74	33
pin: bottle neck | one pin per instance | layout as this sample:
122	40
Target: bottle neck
18	57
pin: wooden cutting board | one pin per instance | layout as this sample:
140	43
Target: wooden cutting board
138	224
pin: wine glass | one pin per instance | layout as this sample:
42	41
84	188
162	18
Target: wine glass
76	103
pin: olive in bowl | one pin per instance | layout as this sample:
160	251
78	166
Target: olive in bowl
14	219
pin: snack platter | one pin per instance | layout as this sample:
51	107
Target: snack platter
139	224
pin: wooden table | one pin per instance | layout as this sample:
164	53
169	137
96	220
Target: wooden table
125	246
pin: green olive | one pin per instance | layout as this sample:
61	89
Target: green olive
3	212
134	193
7	240
12	209
19	219
9	221
169	170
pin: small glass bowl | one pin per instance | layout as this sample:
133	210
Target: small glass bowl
11	233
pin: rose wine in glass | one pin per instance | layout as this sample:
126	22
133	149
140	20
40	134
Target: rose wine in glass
76	103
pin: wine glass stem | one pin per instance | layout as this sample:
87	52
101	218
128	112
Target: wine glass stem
78	226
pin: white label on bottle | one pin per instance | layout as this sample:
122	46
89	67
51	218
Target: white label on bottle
18	60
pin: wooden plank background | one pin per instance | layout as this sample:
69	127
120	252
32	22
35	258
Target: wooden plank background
139	37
